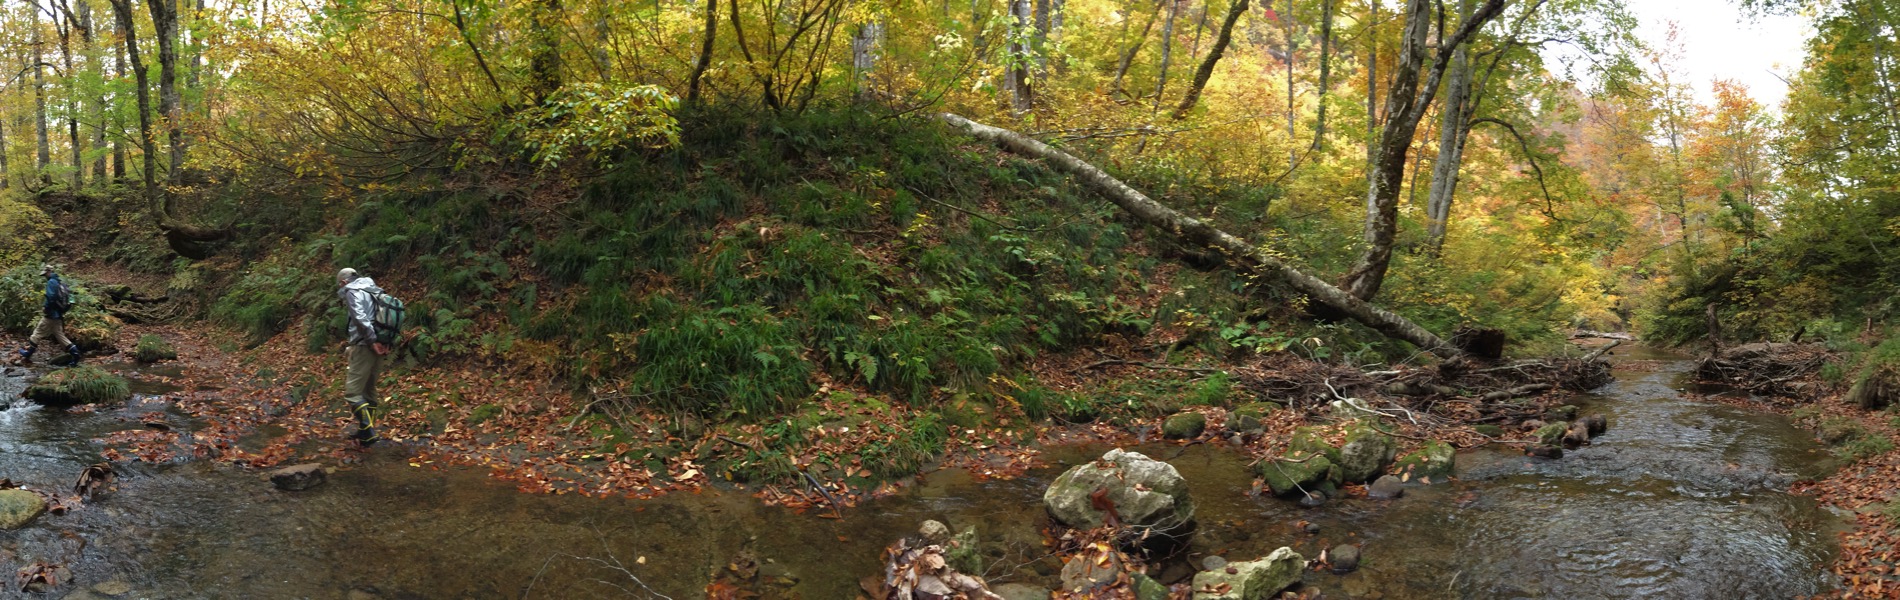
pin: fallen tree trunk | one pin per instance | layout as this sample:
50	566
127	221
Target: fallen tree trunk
1196	231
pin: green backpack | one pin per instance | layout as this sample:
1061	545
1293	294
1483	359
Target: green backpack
386	316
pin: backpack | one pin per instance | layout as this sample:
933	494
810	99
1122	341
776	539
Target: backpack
386	315
62	296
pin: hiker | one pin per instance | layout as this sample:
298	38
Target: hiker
366	351
52	325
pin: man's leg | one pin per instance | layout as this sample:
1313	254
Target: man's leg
42	334
359	390
59	335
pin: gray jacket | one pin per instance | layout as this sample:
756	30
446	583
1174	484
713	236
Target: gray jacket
357	300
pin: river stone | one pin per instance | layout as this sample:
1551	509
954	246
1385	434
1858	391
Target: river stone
1435	460
1213	562
1552	434
1313	499
1251	417
298	478
1146	588
1255	580
1020	591
1366	454
934	532
116	587
1183	426
1298	472
1596	424
19	507
1344	557
1488	430
1084	573
1385	488
1543	451
1148	495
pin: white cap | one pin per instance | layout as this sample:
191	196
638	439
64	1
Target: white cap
345	276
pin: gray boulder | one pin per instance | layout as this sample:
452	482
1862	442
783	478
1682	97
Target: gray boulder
1366	454
1255	580
1185	425
1147	494
19	507
1385	488
1020	591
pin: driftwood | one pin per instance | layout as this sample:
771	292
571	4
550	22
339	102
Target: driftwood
1767	369
1242	253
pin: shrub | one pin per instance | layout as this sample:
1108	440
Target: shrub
152	348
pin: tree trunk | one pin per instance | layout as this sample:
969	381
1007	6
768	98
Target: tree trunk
1372	87
544	63
122	9
88	40
1128	57
1292	156
64	26
705	52
864	46
1195	231
165	28
1325	71
1016	73
1453	129
118	119
1206	71
39	94
1041	44
1167	50
1406	104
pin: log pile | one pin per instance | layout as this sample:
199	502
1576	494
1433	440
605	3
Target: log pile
1765	369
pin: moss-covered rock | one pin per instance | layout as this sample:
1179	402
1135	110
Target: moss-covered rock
1252	580
1434	460
967	413
152	348
1311	439
961	552
1366	454
1567	412
1251	417
78	385
19	507
1184	426
1489	430
1299	472
1552	434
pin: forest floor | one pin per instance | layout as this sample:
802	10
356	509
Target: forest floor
275	405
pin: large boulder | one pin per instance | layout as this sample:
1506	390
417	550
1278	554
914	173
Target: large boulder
1366	454
1435	460
1145	493
19	507
1255	580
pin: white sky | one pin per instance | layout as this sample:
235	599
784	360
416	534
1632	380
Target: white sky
1718	41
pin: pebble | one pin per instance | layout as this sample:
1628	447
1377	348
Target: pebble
1213	563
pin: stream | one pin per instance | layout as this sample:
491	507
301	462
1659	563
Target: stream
1679	499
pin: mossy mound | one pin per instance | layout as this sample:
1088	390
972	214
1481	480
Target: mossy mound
1434	460
78	385
153	349
1251	417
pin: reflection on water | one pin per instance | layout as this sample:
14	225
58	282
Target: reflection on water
1678	500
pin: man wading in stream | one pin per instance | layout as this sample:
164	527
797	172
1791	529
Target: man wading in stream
52	326
372	331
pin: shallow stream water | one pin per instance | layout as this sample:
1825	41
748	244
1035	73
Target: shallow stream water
1680	499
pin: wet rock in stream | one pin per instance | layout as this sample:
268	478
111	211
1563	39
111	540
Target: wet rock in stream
1252	580
299	478
19	507
1146	495
1344	558
1385	488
